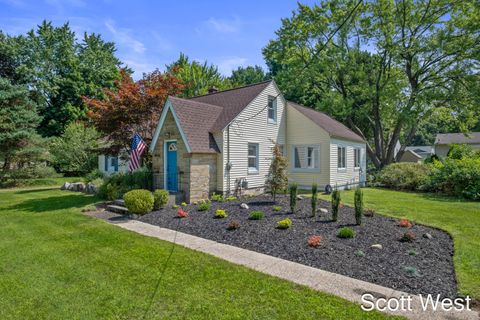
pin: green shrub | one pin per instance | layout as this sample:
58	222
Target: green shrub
335	204
231	198
175	206
124	182
345	233
293	197
276	208
139	201
460	178
314	199
217	197
284	224
404	175
358	200
94	175
256	215
161	198
111	192
220	214
204	206
460	151
183	204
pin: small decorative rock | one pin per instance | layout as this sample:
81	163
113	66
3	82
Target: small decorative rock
65	186
244	206
427	235
323	210
299	197
90	188
377	246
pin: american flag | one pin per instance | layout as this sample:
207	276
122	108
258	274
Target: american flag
138	146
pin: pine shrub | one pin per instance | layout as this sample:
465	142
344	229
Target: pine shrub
335	204
358	205
314	198
293	197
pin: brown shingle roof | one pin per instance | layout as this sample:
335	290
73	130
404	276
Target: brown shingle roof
196	120
332	126
233	101
458	138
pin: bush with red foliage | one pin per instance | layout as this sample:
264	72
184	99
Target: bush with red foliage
405	223
315	241
408	237
182	213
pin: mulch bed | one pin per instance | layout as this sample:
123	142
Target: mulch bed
392	266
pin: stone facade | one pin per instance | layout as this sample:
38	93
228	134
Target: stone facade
197	172
203	175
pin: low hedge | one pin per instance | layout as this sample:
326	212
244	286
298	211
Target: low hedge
139	201
404	175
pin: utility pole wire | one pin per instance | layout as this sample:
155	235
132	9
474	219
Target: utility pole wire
330	37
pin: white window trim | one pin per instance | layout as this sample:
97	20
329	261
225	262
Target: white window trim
255	170
275	109
346	158
294	169
356	168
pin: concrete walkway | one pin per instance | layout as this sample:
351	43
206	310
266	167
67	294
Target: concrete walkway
320	280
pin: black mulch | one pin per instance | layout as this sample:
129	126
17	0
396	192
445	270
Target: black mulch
391	266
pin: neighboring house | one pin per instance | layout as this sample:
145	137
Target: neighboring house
112	164
222	142
443	141
416	153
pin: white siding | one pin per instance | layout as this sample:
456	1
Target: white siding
122	165
303	131
349	176
251	125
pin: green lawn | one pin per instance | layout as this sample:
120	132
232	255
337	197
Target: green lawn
56	263
460	218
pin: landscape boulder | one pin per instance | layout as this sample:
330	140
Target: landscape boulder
244	206
90	188
323	210
77	186
377	246
427	235
66	186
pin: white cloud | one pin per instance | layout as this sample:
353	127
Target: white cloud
226	65
123	36
161	43
223	25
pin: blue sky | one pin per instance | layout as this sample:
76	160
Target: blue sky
150	34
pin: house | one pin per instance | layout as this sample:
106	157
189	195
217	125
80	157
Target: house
222	142
444	140
416	153
112	164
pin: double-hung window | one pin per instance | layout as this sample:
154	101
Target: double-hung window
272	109
253	158
342	157
306	157
356	157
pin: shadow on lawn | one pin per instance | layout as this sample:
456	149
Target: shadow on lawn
54	203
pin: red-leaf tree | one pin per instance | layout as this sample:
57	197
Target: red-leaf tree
134	106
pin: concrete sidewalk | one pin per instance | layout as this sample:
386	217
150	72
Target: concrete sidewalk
320	280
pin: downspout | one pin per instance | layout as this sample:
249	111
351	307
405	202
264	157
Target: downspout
228	166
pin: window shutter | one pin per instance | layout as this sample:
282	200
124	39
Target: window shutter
116	164
106	162
316	153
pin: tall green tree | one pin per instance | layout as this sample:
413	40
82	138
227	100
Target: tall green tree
197	77
248	75
18	121
75	151
59	71
381	67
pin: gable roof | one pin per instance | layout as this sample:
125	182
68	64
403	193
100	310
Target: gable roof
233	101
196	120
327	123
451	138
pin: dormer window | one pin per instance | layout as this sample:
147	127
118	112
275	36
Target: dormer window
272	109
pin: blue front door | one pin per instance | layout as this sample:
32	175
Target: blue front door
172	183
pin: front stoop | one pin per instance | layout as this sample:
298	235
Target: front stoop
317	279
